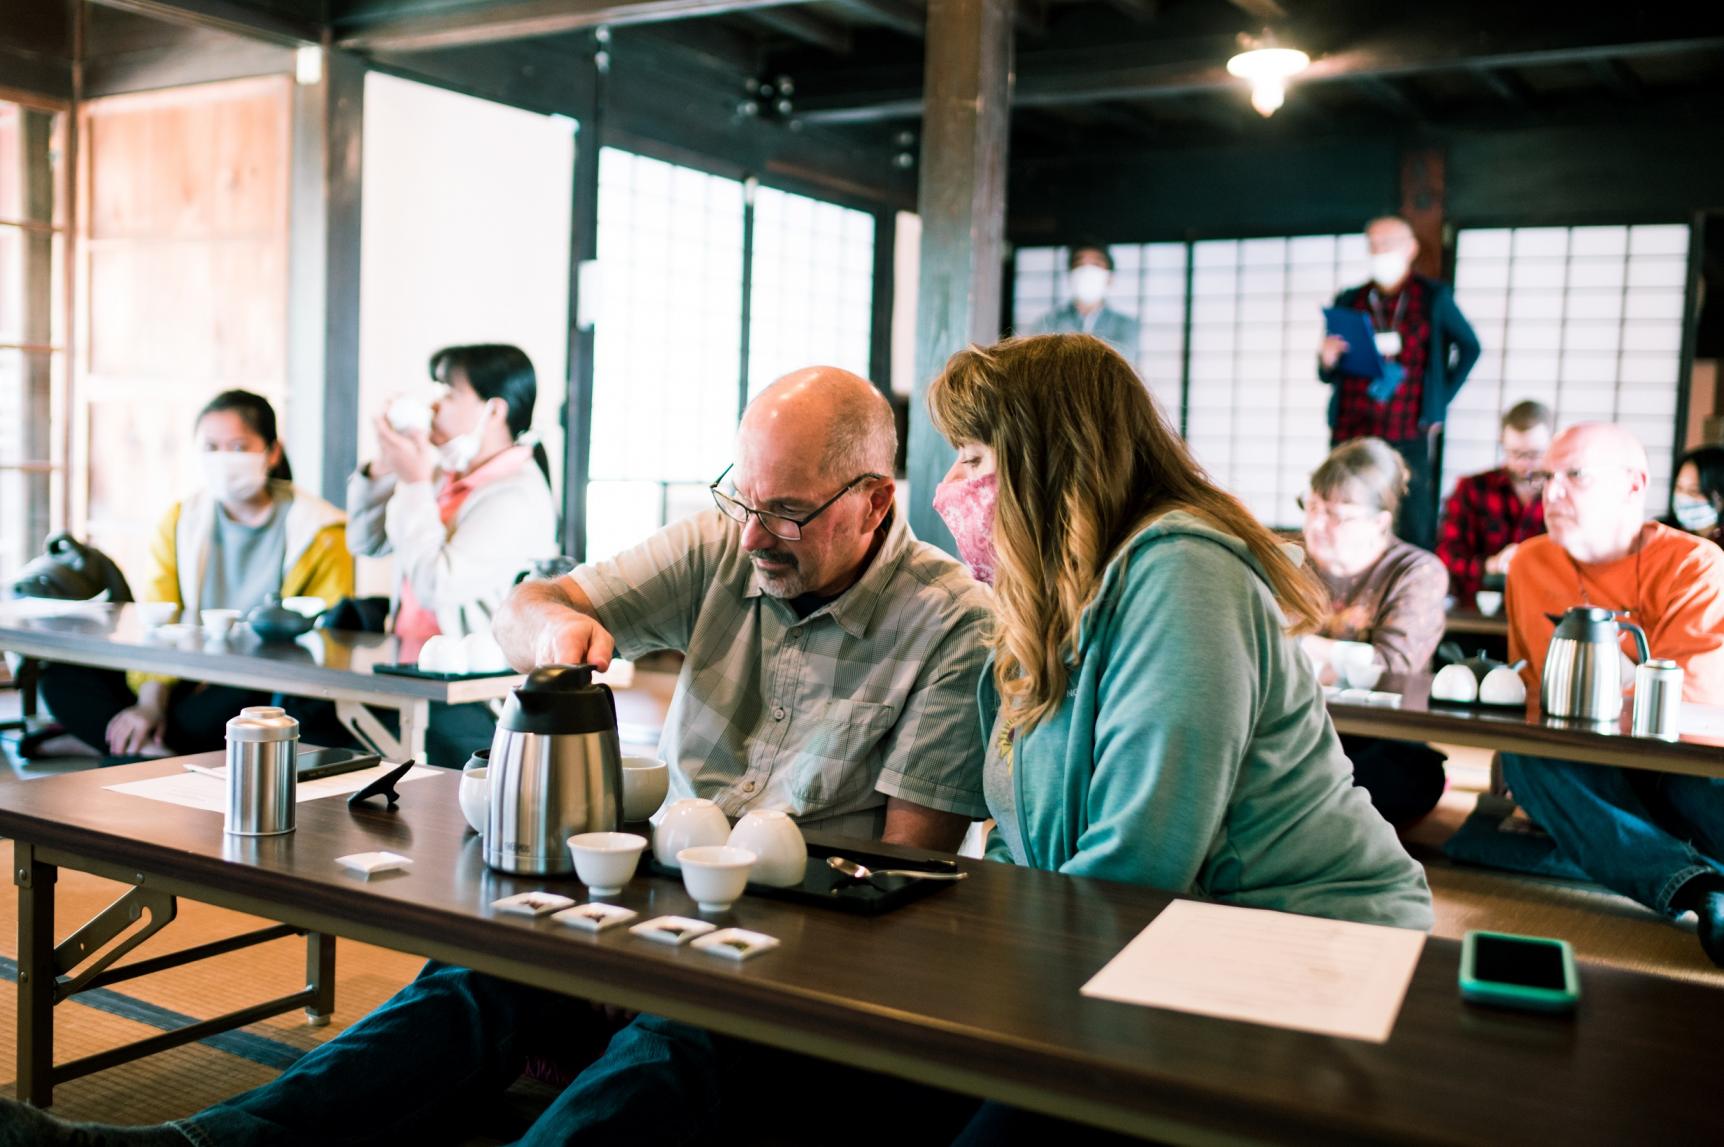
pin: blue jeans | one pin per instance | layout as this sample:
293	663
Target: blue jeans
1639	833
449	1043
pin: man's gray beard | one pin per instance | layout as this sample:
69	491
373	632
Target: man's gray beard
787	585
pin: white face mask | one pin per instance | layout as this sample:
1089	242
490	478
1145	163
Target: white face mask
1388	268
1089	284
1696	515
233	476
455	455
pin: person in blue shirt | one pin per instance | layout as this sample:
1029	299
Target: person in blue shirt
1089	274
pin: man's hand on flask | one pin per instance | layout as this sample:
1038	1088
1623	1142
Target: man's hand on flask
574	639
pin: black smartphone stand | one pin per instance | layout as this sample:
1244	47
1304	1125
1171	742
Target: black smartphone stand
383	786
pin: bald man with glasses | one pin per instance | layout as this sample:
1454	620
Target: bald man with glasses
831	669
1655	837
831	658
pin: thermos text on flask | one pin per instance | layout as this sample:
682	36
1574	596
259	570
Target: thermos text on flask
262	754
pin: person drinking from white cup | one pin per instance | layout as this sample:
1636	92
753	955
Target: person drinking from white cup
459	493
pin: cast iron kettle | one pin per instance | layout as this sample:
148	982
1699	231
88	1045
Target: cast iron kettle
1583	666
556	770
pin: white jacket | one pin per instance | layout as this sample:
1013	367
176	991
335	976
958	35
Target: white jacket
463	572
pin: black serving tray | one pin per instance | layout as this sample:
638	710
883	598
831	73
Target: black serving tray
830	888
414	671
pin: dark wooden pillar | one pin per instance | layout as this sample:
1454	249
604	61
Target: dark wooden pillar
344	147
1422	205
962	201
584	248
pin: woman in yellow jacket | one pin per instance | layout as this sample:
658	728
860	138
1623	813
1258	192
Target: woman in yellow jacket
248	533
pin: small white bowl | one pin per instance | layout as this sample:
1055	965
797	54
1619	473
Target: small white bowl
1488	601
443	654
688	823
483	654
154	613
646	781
774	838
715	874
605	861
1363	676
475	797
217	622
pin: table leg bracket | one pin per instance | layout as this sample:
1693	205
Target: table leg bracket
89	944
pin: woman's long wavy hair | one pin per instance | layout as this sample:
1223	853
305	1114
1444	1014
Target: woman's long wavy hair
1084	460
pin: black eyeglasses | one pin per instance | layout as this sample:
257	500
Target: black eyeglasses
781	526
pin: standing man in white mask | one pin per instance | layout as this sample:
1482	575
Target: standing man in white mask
1428	349
249	532
1089	274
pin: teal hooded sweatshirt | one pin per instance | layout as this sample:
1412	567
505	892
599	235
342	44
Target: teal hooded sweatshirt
1194	753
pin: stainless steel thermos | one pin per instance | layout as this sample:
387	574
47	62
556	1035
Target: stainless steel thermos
1657	699
262	754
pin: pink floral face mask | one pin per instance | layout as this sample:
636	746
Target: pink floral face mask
966	505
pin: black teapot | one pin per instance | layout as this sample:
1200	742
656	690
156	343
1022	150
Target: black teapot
273	621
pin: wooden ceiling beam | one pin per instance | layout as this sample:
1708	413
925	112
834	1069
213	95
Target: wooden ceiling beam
899	15
483	23
804	25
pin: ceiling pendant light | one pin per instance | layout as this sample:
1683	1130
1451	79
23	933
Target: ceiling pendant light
1267	68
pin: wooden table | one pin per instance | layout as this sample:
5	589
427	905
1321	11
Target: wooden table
1471	622
974	988
323	663
1417	718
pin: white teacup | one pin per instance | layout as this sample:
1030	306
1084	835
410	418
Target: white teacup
407	415
482	654
475	796
1488	601
781	853
217	622
154	613
605	861
443	654
1363	675
1455	683
715	875
1502	686
688	823
645	783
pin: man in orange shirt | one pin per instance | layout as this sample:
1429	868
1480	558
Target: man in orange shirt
1656	837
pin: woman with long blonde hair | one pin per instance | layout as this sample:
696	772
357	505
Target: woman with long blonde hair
1153	720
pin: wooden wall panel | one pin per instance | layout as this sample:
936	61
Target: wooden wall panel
183	243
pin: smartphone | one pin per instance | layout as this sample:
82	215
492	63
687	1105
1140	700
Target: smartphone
1535	973
314	763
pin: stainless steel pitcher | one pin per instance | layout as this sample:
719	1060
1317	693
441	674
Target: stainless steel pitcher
556	770
1583	666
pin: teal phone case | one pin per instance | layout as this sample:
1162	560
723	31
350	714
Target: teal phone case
1507	995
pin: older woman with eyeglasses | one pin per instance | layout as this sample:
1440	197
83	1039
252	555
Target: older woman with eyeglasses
1382	592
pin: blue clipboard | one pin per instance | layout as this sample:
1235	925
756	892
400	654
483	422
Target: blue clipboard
1361	358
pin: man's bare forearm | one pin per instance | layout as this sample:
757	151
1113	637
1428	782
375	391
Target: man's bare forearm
529	609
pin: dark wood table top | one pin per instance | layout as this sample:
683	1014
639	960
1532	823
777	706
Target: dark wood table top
1470	621
974	987
1418	718
324	662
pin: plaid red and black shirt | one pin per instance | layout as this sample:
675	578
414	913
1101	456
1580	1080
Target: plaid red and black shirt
1483	515
1397	420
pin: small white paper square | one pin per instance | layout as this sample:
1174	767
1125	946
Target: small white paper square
532	903
369	864
736	943
674	930
594	917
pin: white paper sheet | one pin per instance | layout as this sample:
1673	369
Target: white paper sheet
203	791
1326	976
1700	720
